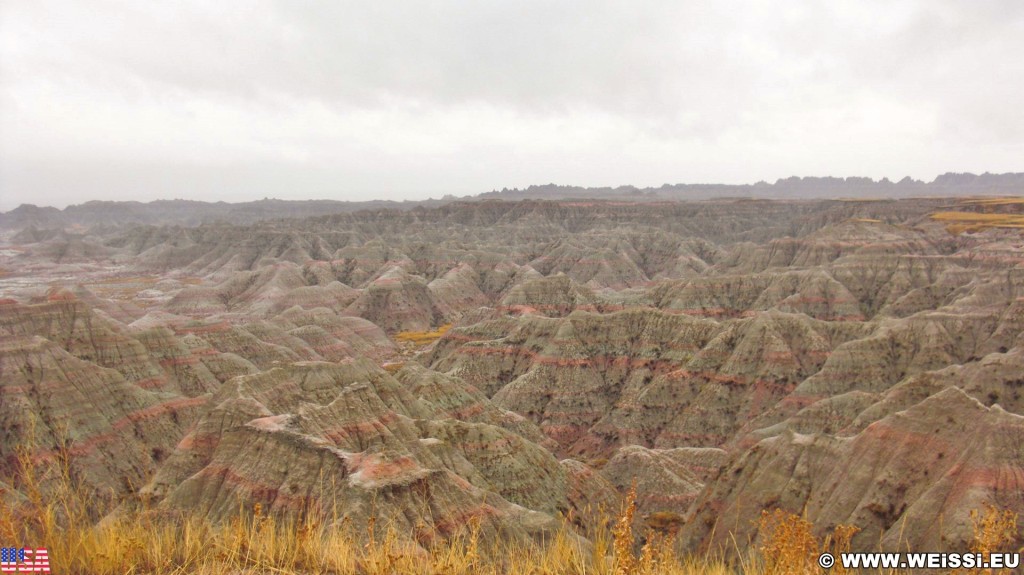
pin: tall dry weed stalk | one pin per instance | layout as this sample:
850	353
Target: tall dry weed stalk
994	531
622	536
789	546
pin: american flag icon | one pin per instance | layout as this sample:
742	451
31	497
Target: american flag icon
23	560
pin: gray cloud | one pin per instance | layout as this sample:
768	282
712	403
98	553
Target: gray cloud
353	100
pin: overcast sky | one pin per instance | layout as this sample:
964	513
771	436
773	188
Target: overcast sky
293	99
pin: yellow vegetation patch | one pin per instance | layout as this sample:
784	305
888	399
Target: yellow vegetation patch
994	531
996	201
959	222
422	338
790	548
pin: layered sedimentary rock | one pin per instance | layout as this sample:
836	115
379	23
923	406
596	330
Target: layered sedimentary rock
352	440
728	356
910	478
74	388
60	317
663	481
554	296
397	302
639	376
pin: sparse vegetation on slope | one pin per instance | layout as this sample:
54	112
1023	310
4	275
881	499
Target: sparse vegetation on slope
422	338
960	222
133	539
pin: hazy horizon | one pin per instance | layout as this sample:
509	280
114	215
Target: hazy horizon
825	192
351	101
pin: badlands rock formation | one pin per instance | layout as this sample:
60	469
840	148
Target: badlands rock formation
859	361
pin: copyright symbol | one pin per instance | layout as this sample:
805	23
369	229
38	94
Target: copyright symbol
826	560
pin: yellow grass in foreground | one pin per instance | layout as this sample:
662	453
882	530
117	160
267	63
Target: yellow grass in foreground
65	522
132	543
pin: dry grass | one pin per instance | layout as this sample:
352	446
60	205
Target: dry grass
55	512
422	338
960	222
996	201
65	521
994	531
790	548
625	561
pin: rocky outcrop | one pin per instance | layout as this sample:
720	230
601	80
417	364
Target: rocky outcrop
113	431
554	296
855	238
594	381
907	480
446	396
664	483
352	440
397	302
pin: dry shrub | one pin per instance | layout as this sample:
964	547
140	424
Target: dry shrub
995	531
664	522
838	542
622	536
789	547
